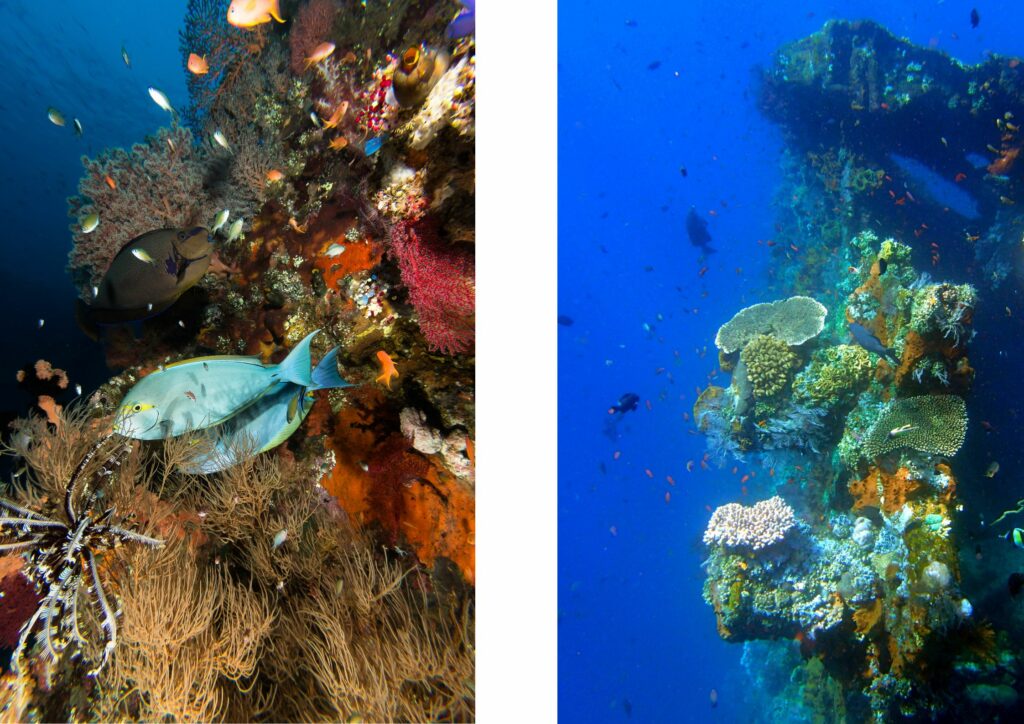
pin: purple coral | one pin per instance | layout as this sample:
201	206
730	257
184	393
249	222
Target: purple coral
312	26
734	525
222	45
441	284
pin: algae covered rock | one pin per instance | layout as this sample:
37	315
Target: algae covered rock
769	362
794	321
835	375
934	424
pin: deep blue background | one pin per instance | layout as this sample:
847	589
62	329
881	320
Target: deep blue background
632	625
67	54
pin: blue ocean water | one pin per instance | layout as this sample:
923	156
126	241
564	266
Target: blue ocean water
646	91
67	55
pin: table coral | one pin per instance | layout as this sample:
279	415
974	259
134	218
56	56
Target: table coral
794	321
757	526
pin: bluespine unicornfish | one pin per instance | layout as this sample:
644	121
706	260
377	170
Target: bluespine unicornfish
147	275
871	343
198	393
1015	536
264	424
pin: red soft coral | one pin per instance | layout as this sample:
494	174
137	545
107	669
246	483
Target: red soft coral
441	284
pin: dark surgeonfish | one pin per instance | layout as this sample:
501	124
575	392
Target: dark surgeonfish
149	274
697	230
871	343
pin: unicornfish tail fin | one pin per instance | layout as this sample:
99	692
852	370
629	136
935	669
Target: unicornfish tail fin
891	354
295	367
325	375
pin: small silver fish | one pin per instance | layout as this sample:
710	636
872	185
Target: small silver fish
143	255
42	323
78	390
181	324
334	250
78	127
125	58
149	307
160	98
90	222
280	537
55	116
95	292
221	140
235	231
312	116
170	144
220	219
901	429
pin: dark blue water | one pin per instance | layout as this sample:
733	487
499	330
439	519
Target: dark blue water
645	90
68	55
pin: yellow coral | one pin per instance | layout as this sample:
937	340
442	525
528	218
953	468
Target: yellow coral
769	363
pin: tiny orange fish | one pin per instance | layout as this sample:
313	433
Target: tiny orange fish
670	479
743	490
901	200
713	212
300	229
319	53
387	368
273	175
668	496
197	65
703	271
190	395
110	182
647	404
735	470
336	117
616	455
745	478
338	143
613	530
648	473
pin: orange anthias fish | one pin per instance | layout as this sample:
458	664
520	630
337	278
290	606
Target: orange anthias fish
250	13
336	117
320	52
197	65
273	175
110	182
387	368
338	143
299	228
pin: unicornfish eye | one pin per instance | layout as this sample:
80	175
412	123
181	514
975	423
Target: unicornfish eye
410	58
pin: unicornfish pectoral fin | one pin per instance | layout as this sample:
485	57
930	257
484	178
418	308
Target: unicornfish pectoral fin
295	367
325	375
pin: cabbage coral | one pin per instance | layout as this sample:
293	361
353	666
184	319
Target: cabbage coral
794	321
934	424
769	363
834	375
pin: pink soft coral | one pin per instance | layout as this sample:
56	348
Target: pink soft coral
440	279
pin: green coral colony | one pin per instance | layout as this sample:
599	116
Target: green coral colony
849	405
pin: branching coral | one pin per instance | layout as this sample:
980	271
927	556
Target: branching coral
769	363
794	321
934	424
756	527
156	184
